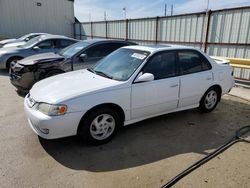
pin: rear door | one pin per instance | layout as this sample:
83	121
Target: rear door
196	77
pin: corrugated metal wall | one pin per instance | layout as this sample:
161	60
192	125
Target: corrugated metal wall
230	27
19	17
228	31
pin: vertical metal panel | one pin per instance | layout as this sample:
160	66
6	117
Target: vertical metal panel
230	27
117	29
86	29
99	29
142	29
24	16
181	29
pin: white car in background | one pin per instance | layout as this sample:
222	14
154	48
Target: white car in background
131	84
19	41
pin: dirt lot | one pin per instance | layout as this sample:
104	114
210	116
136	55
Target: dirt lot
146	154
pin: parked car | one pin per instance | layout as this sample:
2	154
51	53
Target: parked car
83	54
131	84
19	41
37	45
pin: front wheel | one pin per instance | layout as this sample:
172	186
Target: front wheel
99	126
210	100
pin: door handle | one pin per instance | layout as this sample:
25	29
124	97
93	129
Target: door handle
174	85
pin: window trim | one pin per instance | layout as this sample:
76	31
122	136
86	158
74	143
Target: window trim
195	52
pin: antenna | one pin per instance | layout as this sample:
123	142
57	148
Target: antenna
172	10
105	16
165	10
124	12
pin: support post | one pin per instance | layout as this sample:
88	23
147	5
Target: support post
156	29
207	30
74	30
91	30
106	26
80	30
126	37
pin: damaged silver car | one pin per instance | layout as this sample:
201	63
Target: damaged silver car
84	54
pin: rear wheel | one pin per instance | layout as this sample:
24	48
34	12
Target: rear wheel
210	100
99	126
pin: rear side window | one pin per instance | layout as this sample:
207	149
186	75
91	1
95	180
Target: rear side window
48	44
161	65
192	61
66	43
102	50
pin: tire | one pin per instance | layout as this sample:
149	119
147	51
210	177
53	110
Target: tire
94	122
11	60
210	100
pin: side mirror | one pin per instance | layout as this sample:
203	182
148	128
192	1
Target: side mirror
146	77
36	48
83	57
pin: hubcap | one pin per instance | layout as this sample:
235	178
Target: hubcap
102	126
211	99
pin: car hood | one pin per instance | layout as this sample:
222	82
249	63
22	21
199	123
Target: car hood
7	41
12	44
41	58
66	86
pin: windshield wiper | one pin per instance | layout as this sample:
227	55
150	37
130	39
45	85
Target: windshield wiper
91	70
103	74
100	73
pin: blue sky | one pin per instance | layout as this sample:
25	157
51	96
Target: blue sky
94	9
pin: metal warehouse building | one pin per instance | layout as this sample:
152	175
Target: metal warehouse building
19	17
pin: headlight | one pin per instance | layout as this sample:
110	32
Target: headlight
51	109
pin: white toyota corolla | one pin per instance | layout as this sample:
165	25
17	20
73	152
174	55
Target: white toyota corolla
131	84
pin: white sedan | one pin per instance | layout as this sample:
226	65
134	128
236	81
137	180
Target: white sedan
131	84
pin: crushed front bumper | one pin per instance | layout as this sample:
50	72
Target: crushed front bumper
22	80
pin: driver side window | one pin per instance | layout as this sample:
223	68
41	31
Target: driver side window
161	65
48	44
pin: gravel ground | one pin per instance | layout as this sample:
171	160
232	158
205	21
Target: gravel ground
146	154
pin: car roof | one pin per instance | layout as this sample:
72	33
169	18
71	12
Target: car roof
50	36
92	41
158	48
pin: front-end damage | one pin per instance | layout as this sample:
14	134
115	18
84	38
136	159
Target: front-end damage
23	77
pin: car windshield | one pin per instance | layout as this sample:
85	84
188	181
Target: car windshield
73	49
120	64
31	42
24	37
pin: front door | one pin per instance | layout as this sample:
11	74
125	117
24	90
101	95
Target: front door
161	94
